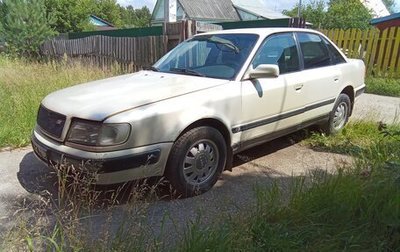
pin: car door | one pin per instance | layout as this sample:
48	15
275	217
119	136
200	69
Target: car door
272	105
321	78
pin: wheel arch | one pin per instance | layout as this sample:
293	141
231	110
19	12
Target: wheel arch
221	127
349	91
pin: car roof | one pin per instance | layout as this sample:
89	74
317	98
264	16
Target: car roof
259	31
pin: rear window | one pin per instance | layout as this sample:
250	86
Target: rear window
315	52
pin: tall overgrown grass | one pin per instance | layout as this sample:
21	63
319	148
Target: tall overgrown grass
77	216
383	86
356	209
23	84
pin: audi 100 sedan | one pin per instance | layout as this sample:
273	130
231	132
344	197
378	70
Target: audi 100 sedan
211	97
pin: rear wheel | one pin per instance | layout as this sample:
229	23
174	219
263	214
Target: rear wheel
196	161
339	115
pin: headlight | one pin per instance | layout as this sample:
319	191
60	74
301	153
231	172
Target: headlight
98	134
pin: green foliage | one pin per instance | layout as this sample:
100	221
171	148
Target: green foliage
346	14
135	17
25	26
383	86
313	12
70	15
343	14
73	16
108	10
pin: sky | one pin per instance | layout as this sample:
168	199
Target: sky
277	5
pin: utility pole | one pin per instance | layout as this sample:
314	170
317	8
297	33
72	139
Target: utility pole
299	10
166	15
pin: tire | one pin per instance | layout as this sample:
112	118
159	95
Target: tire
339	116
196	161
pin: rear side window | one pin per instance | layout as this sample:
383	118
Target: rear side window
281	50
336	57
315	52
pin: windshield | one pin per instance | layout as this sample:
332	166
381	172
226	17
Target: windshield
215	56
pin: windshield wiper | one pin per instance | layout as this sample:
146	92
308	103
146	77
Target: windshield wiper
221	41
152	68
187	71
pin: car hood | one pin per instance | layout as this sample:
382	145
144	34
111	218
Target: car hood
100	99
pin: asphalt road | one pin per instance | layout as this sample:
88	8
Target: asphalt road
23	179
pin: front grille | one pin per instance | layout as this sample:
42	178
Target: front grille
51	122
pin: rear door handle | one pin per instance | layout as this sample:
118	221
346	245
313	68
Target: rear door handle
336	79
298	87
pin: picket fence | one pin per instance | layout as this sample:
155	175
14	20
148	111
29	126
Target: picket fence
380	50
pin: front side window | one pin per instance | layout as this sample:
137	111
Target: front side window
315	52
216	56
279	50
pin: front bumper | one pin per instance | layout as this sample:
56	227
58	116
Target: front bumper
112	167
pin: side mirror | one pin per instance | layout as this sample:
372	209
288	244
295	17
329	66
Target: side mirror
263	71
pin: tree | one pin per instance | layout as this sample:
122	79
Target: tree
346	14
108	10
73	16
135	17
25	26
70	16
313	12
390	4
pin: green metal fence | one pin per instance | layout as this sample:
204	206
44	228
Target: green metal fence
130	33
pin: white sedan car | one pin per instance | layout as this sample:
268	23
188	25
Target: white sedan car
212	96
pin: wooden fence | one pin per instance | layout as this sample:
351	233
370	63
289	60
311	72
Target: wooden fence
132	54
380	50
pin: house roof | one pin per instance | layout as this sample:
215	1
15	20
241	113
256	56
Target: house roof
219	10
258	8
210	9
99	21
385	19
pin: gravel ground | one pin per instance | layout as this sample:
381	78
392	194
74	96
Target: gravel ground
22	177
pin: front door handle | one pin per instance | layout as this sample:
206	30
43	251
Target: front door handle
298	87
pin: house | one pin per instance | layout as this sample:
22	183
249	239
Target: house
383	23
101	24
215	11
377	8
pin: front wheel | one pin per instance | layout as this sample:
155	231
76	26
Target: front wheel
339	116
196	161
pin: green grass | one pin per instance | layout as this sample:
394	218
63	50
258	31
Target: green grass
24	84
357	209
383	86
351	140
